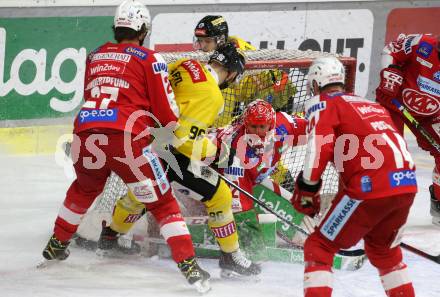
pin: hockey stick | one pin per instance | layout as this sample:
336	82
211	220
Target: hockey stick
416	124
350	253
421	253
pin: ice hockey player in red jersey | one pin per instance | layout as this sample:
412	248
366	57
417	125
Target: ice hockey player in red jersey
126	88
411	74
258	140
378	182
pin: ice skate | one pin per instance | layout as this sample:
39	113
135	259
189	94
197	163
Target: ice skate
113	244
54	250
195	275
236	265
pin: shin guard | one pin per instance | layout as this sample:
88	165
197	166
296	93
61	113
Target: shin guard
221	220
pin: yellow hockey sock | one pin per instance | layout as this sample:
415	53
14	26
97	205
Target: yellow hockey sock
221	221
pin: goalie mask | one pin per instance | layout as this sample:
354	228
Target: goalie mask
230	58
212	28
259	122
325	71
132	14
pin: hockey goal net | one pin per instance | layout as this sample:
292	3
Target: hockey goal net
277	76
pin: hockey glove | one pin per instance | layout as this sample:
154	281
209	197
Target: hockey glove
306	198
391	80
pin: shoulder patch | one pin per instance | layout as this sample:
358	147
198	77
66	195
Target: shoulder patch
424	49
195	71
137	52
321	105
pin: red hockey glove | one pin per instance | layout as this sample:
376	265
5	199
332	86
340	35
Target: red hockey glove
391	80
306	198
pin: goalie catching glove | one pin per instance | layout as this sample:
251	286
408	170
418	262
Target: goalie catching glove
391	80
306	198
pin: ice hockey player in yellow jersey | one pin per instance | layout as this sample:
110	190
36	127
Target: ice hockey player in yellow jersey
197	91
272	85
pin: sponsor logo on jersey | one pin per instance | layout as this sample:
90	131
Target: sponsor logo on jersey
368	110
381	126
144	193
425	49
224	231
104	68
136	52
235	171
108	80
408	44
424	62
282	130
338	217
98	115
159	67
420	103
195	71
366	185
111	56
158	171
402	178
428	86
436	76
314	108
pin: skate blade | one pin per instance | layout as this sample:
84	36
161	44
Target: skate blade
44	263
202	287
232	275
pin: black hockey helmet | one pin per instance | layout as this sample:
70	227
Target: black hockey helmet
229	57
213	26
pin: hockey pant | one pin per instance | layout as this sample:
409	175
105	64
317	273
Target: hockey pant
98	152
432	125
201	183
379	222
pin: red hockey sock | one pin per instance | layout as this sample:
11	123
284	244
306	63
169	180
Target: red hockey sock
396	282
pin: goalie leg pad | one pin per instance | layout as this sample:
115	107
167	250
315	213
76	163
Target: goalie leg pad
128	210
221	220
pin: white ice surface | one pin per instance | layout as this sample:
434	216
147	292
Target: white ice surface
33	188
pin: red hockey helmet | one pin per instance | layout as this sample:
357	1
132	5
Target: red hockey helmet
259	122
259	112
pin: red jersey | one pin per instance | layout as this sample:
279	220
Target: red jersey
359	137
250	167
420	61
122	82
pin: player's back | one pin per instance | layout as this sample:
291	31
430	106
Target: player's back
197	93
121	79
369	153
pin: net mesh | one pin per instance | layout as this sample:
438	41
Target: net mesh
277	76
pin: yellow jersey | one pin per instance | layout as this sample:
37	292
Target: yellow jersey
200	101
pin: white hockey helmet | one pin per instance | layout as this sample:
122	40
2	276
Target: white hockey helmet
132	14
325	71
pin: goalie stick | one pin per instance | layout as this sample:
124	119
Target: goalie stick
350	253
421	253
